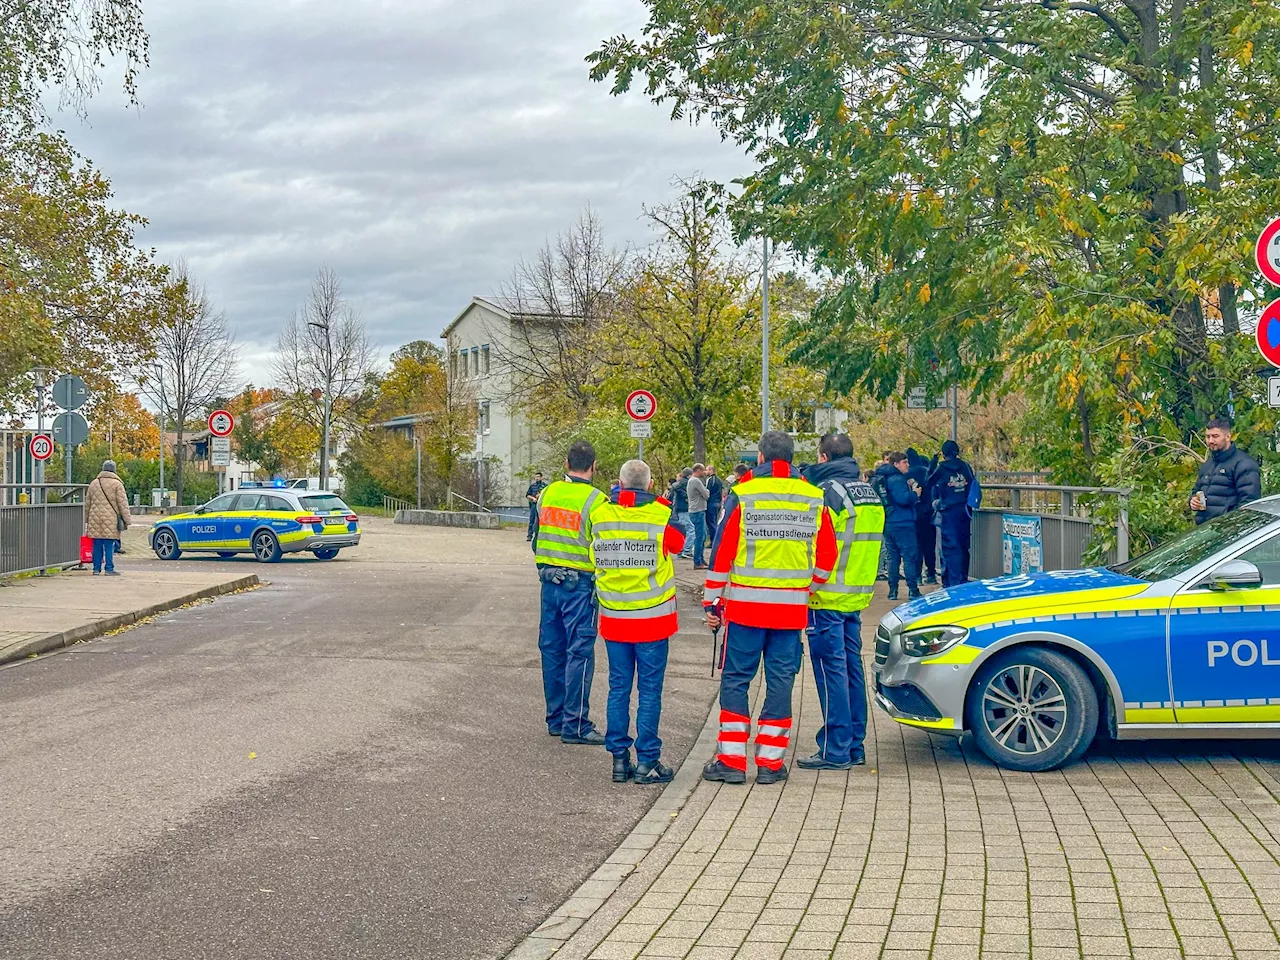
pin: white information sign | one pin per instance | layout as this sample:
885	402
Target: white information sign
1273	391
641	429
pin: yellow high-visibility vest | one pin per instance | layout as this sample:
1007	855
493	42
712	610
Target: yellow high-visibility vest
633	572
780	517
859	526
564	525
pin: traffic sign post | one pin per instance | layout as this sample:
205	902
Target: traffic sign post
70	429
1268	333
641	406
221	423
41	447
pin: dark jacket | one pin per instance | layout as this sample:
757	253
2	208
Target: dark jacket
715	486
1229	479
900	502
919	472
844	469
680	496
948	486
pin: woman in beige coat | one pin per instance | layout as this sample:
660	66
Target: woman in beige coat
106	512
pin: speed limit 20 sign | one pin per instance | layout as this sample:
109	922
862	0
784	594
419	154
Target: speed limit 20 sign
641	405
221	423
41	447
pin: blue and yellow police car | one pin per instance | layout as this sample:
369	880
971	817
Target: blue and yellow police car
1181	642
265	521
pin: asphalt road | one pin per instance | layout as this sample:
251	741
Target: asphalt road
349	762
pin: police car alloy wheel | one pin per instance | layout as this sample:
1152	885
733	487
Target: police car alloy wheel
1032	709
266	547
326	554
165	544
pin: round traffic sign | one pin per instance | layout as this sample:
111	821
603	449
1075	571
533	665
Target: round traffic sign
1267	251
70	429
70	392
41	447
641	405
221	423
1268	334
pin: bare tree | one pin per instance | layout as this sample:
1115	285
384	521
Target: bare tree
558	302
324	361
194	362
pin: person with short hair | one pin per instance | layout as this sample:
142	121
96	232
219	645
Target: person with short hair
948	491
1228	478
106	515
775	543
715	489
680	509
567	629
531	494
699	498
633	541
901	500
740	470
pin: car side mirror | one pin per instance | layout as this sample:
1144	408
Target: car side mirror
198	510
1234	575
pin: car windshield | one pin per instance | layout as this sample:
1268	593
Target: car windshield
1177	556
323	503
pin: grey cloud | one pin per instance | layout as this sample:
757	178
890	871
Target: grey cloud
418	148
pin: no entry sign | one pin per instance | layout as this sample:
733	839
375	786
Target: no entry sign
641	405
41	447
1269	333
1267	252
221	423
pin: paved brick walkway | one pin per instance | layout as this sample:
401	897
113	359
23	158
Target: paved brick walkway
1144	850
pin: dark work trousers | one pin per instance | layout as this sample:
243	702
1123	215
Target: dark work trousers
643	666
744	648
900	548
927	541
533	520
835	646
956	532
567	641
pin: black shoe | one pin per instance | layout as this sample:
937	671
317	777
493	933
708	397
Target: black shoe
765	775
593	738
819	762
623	768
554	733
857	757
914	594
893	594
715	770
931	580
654	773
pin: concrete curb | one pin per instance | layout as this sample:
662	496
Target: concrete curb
545	941
91	631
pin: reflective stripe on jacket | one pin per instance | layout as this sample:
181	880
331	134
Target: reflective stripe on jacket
564	525
859	529
635	578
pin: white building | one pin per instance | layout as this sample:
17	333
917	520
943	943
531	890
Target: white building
476	340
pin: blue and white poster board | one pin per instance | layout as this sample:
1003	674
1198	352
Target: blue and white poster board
1023	544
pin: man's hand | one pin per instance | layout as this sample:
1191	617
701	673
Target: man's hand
1198	501
713	617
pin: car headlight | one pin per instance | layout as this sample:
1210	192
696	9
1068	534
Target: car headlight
931	641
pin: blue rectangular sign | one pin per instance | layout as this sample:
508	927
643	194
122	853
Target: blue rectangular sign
1023	544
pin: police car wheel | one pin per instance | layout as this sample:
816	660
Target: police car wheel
327	554
165	545
266	548
1032	709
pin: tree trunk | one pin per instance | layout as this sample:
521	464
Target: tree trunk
1086	432
698	420
179	460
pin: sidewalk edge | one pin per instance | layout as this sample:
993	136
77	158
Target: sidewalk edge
91	631
596	890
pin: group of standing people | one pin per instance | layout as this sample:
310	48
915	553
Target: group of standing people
696	497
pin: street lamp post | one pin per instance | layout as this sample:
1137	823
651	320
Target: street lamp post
328	400
764	323
417	449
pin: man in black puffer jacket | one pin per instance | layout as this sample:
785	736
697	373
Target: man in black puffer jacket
1229	477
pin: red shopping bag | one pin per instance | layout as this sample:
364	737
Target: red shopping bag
86	550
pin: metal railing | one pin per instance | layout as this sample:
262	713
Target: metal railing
35	537
391	504
1068	524
478	507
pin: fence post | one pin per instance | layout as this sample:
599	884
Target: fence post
1122	529
1068	503
1015	499
44	555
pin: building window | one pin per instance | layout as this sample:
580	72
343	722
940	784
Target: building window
475	361
453	364
484	359
484	416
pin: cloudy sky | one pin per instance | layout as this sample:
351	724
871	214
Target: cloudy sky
419	147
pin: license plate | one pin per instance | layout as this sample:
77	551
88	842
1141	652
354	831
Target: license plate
336	522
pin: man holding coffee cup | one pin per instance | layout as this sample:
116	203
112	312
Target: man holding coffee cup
1229	477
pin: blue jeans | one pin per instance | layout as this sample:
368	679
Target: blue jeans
956	531
104	554
567	642
900	546
533	520
699	521
645	666
744	648
835	644
686	524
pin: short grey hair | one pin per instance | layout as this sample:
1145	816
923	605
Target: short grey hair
635	475
776	445
109	466
687	472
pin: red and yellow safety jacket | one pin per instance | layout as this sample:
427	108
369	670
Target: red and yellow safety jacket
631	548
775	542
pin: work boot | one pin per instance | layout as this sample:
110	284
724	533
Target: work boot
716	770
893	594
819	762
857	757
592	738
931	580
623	768
914	594
654	772
765	775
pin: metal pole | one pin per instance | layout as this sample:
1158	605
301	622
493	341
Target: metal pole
66	455
640	452
163	498
1122	530
328	406
480	471
418	450
764	324
324	454
955	413
38	478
